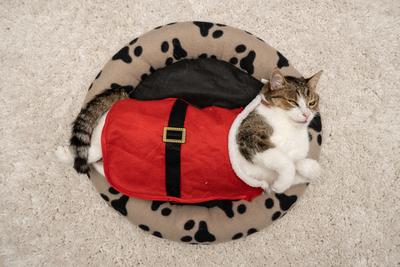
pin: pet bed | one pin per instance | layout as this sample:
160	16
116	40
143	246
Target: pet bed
207	65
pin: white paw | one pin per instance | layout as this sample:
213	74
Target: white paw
308	168
298	179
281	185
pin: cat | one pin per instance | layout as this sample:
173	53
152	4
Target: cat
263	138
273	140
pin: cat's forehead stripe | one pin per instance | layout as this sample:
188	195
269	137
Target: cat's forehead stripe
301	101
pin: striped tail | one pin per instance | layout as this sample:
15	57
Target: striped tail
86	121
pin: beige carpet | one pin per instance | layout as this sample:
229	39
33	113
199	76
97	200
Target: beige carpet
50	51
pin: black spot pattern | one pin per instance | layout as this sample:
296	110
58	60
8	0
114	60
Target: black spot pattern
120	204
113	191
189	225
164	47
152	70
169	61
233	60
220	25
202	234
237	236
240	48
204	55
179	52
123	55
98	75
282	61
251	231
269	203
166	211
309	137
171	23
156	204
285	202
213	57
138	51
258	38
241	208
105	197
319	139
204	27
316	123
157	234
133	41
115	86
158	27
276	215
186	238
90	87
217	34
225	205
144	227
246	63
143	77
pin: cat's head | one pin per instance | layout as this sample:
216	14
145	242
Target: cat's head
297	97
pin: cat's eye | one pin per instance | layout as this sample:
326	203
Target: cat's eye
312	103
293	103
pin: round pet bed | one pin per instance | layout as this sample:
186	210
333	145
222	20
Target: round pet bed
206	64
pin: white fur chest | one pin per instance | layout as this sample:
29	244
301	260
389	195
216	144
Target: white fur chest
287	136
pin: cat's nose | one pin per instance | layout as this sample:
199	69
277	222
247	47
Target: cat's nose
306	115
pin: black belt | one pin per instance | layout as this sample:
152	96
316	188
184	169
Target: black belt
174	136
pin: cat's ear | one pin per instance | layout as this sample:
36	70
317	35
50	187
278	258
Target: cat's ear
277	80
313	80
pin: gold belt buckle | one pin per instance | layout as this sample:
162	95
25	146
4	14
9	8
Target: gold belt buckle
181	140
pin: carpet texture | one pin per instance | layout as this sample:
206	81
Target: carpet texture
51	50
